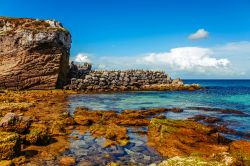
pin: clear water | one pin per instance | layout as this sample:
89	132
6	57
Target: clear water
225	94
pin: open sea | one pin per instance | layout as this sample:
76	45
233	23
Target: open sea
223	94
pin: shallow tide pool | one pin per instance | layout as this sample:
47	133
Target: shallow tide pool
224	94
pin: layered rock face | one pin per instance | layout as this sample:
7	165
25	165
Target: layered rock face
34	54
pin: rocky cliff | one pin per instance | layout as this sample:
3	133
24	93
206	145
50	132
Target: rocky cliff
34	54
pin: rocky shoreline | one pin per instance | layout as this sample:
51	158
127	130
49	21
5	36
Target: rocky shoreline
39	127
36	127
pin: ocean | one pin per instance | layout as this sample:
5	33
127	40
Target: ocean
222	94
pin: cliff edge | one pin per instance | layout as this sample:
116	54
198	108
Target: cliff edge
34	54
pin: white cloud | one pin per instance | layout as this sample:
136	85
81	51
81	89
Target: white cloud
82	57
230	60
235	48
199	34
191	59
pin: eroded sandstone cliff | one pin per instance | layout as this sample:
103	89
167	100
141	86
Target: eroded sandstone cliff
34	54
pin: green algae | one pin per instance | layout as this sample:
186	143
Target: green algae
190	161
9	145
38	135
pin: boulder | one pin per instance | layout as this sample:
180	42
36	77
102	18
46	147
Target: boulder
12	122
34	54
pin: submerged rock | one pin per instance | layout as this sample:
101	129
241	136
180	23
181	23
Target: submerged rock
224	111
67	161
192	161
10	145
34	53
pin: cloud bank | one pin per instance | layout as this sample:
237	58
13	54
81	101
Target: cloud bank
228	60
199	34
192	59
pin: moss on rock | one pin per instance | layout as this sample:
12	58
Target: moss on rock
38	135
10	145
182	138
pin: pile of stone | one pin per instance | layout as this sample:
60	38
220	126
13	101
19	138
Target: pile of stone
119	80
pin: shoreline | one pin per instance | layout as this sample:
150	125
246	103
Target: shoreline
58	99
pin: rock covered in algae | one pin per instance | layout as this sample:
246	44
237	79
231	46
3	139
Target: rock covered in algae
38	135
194	161
10	145
241	150
183	138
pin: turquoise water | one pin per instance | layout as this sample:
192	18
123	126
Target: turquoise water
224	94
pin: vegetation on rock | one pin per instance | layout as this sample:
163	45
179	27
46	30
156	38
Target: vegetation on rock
10	145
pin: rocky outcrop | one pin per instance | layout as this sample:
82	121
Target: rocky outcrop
183	138
34	54
186	142
127	80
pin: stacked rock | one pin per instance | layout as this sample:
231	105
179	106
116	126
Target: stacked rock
119	80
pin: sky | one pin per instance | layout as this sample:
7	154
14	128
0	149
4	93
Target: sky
208	39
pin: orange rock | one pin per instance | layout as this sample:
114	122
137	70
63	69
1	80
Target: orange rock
183	138
240	146
67	161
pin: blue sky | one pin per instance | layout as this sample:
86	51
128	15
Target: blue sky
152	34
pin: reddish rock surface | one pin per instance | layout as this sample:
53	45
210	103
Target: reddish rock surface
34	54
183	138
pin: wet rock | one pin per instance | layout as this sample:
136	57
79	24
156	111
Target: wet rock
198	118
113	133
225	111
203	118
19	160
211	119
181	137
6	163
67	161
12	122
176	110
241	150
58	128
189	161
38	135
86	163
114	164
10	145
160	117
